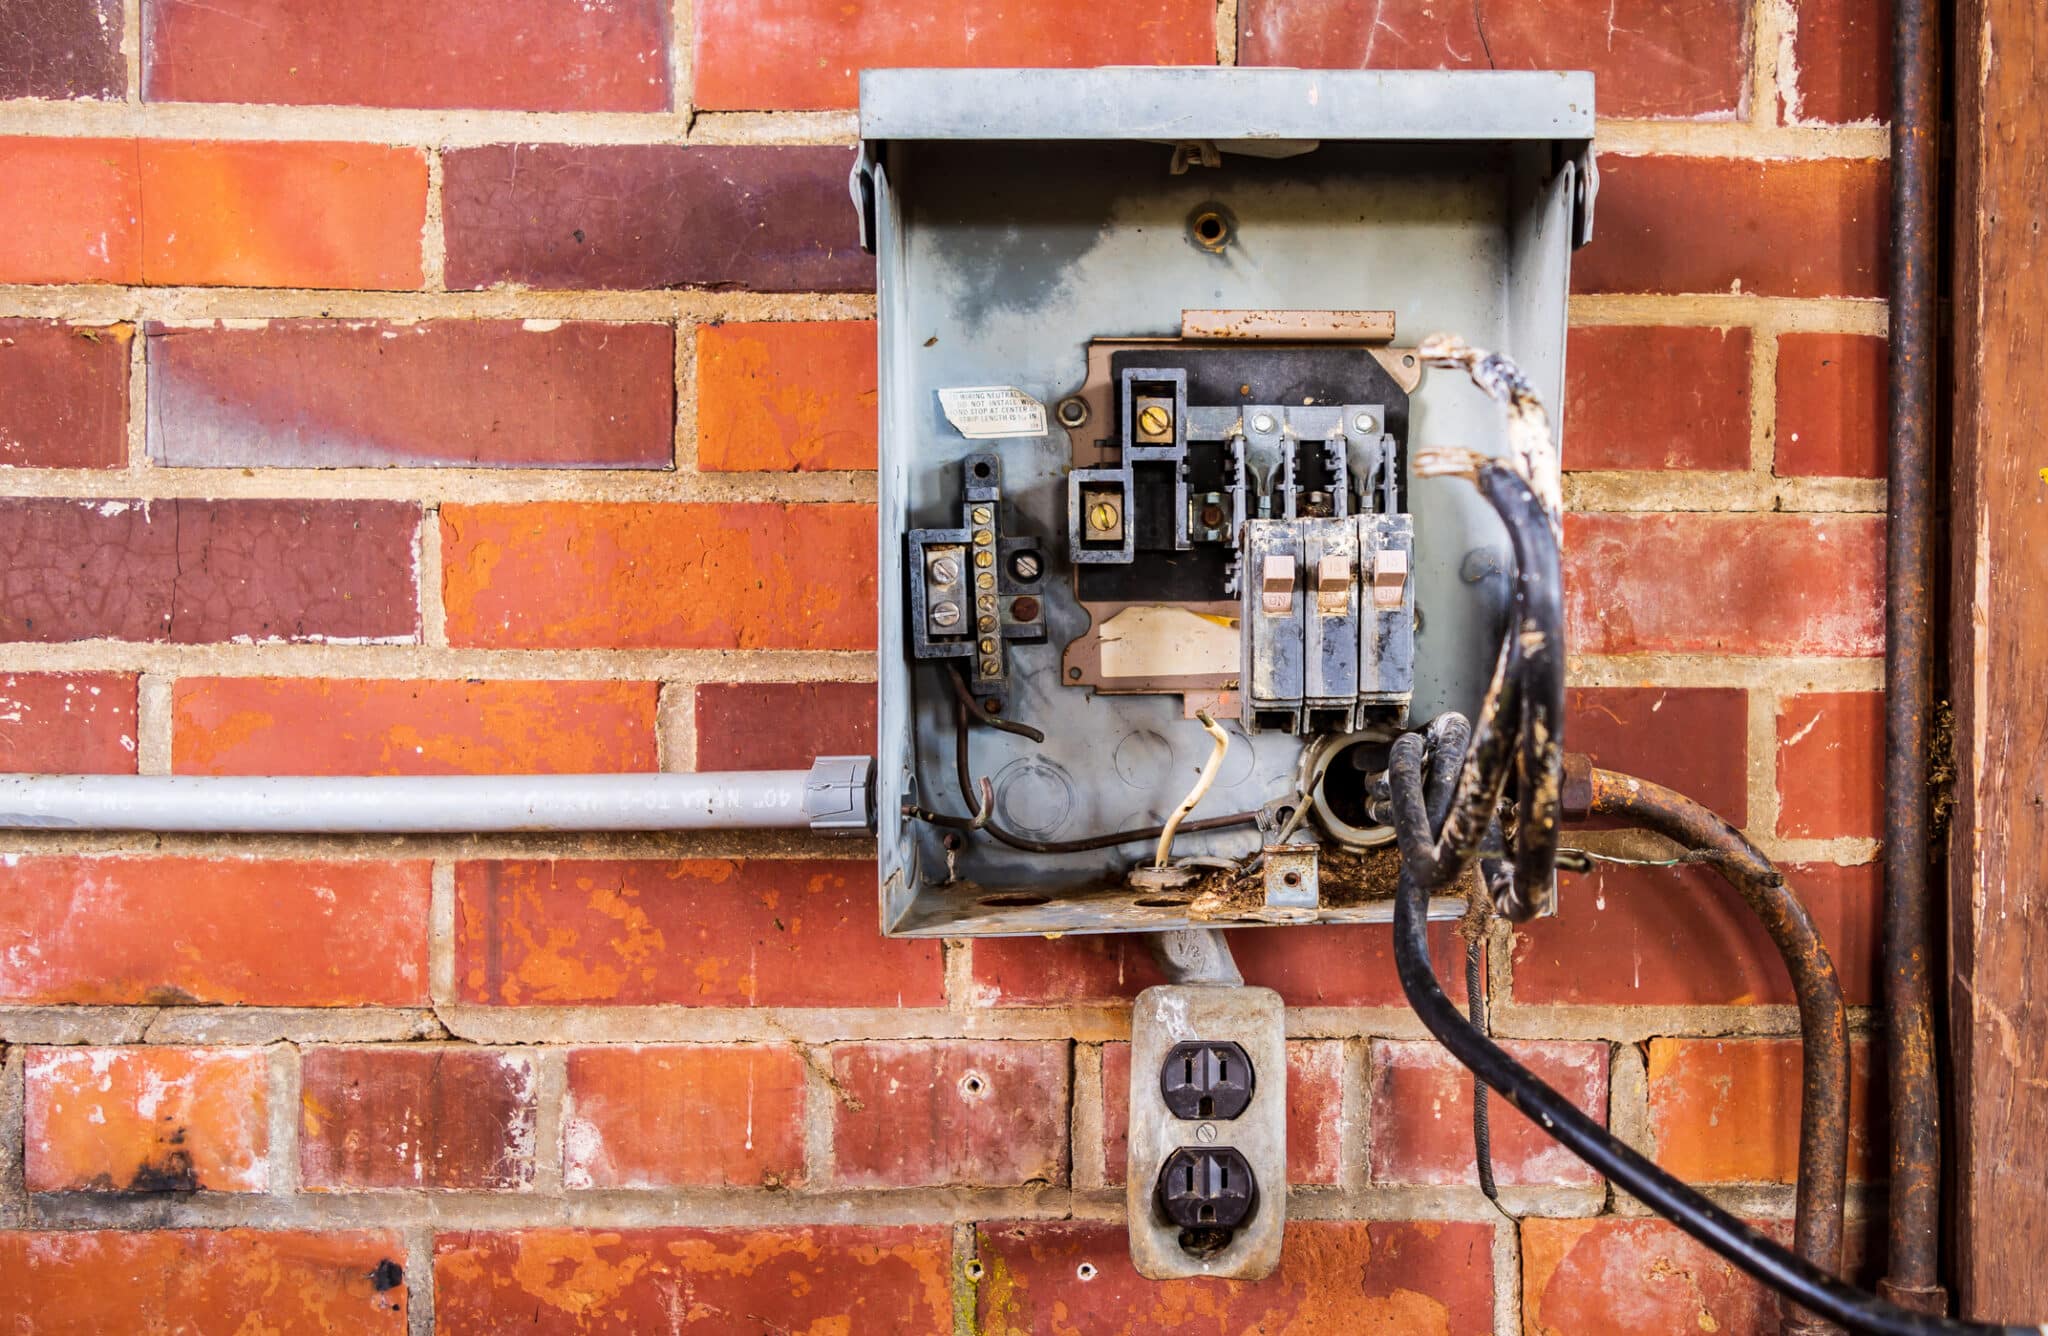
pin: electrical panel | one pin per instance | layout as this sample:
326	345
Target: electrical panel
1159	581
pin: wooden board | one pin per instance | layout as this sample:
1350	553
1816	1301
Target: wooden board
1999	660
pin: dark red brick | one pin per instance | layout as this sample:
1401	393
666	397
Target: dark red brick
1620	1277
193	571
1315	1112
63	394
1349	965
939	1113
1831	765
356	394
1727	1111
1842	61
842	1280
782	725
1749	584
1334	1276
652	216
1831	405
320	726
205	1282
786	395
699	932
93	931
808	54
681	575
684	1115
542	55
67	723
1657	398
410	1116
1628	936
1422	1115
1797	228
1694	739
63	49
1687	58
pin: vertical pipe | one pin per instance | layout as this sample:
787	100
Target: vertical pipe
1915	1197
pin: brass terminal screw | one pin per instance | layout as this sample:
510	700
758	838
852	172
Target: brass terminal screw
982	514
988	646
984	559
1102	517
1153	420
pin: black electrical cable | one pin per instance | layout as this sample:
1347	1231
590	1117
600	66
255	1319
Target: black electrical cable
1482	1121
1761	1257
1434	857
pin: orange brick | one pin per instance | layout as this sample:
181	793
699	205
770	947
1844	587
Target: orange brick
1757	584
1801	228
684	1115
786	395
1727	1111
300	215
254	214
317	726
98	931
782	725
1315	1112
1831	405
560	575
936	1113
67	723
416	1116
1627	936
1335	1276
815	1279
74	211
1831	765
807	54
1617	1277
147	1119
1657	398
705	932
1422	1115
203	1281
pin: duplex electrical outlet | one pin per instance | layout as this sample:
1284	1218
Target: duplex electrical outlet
1207	1080
1207	1195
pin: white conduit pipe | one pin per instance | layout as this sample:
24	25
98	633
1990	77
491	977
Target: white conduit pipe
832	795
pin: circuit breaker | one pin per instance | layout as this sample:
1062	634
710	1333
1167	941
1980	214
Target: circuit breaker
1160	580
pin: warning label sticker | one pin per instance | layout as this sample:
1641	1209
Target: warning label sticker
984	412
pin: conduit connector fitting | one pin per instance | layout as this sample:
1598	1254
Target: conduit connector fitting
839	795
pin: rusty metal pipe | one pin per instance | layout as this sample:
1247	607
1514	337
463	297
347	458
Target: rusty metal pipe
1915	1197
1823	1017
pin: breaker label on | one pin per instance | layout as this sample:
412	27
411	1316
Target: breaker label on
987	412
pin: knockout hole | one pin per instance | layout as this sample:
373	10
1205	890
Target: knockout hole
1291	878
1211	229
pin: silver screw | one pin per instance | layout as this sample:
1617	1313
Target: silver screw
945	571
945	614
1263	423
1364	422
1025	566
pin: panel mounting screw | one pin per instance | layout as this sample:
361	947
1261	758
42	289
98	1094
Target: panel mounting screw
1153	420
945	614
1262	423
1024	566
1073	411
1364	422
945	571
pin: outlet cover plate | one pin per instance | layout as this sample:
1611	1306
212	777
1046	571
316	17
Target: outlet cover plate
1255	1020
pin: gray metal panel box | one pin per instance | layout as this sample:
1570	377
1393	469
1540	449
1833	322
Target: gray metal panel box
1018	215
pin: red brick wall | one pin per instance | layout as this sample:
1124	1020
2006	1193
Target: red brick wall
444	388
